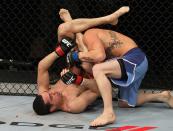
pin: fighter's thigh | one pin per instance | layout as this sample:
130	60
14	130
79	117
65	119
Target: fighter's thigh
110	68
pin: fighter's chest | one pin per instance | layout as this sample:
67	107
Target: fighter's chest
70	94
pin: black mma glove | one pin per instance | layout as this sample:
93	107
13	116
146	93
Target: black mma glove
73	59
71	78
65	46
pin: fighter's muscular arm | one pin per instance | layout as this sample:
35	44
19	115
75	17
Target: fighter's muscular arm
95	54
43	74
80	43
96	51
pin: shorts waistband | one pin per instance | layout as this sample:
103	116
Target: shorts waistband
135	49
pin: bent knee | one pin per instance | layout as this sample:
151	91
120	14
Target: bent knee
64	29
97	69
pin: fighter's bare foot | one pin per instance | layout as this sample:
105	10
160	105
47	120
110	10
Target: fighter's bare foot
114	16
168	98
103	119
65	15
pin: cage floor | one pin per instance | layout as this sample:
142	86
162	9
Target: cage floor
16	114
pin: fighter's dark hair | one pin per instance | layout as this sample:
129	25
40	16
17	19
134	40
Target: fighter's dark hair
40	107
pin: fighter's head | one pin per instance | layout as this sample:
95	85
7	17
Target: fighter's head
47	102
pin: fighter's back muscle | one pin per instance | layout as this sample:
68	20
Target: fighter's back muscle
115	44
91	39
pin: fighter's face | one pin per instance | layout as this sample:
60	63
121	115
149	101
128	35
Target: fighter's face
53	98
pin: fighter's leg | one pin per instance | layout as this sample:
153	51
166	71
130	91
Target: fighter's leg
79	25
165	96
66	17
100	72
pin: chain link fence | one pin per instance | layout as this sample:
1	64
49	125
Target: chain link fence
28	33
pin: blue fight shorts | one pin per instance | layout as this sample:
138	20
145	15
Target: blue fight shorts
136	65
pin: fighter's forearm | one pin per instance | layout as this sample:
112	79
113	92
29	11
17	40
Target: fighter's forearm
80	43
46	62
92	56
43	74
